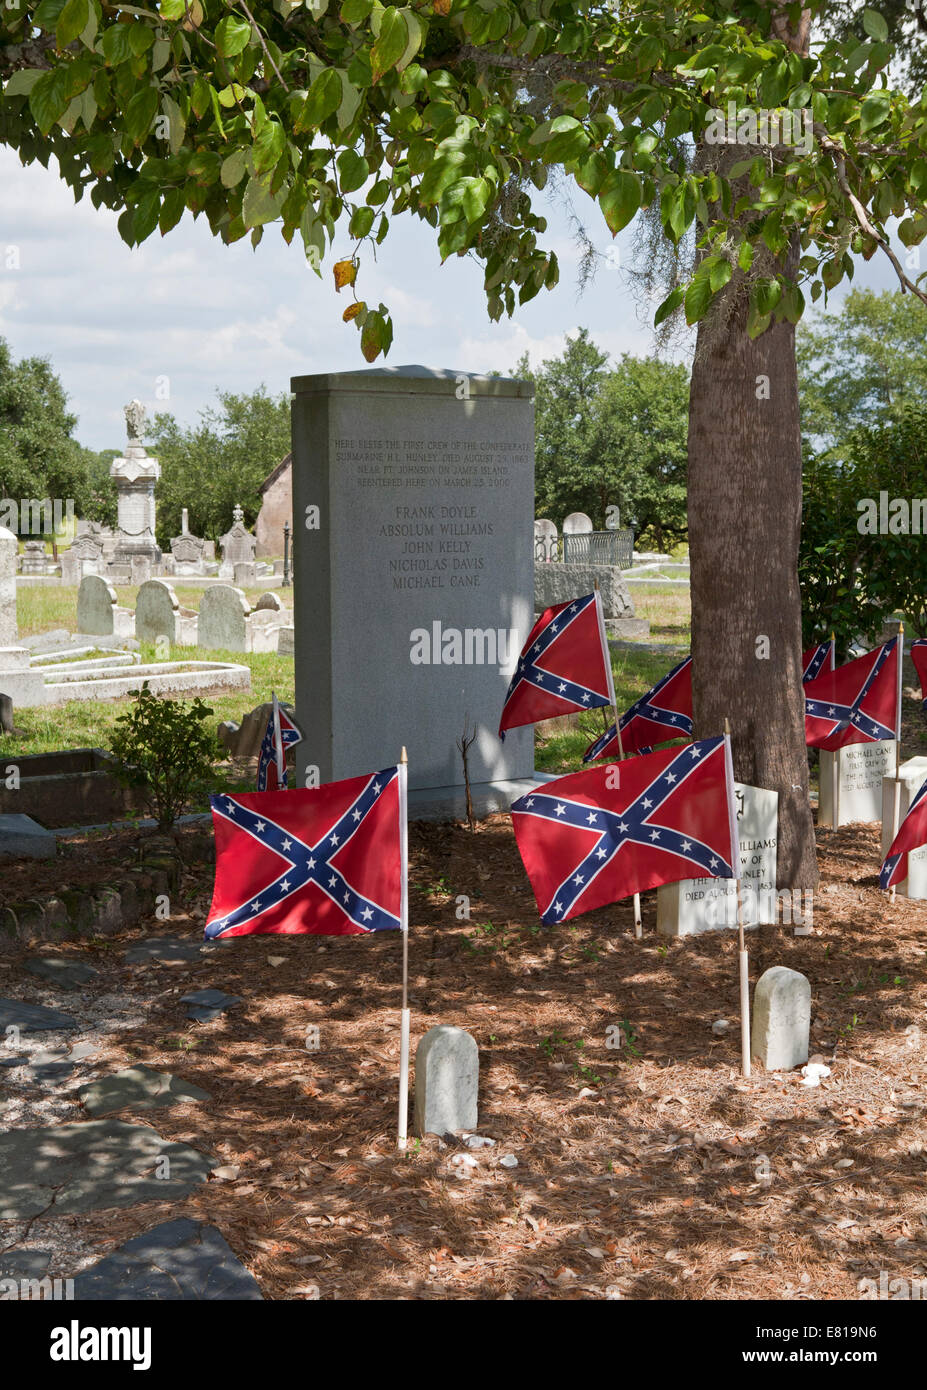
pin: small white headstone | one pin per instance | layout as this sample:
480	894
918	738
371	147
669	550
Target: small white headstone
781	1019
913	776
707	904
545	540
96	603
8	551
577	524
223	620
447	1069
156	610
861	768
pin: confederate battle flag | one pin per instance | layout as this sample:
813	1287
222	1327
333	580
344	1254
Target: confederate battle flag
593	837
281	734
323	860
911	835
665	712
857	703
919	657
815	659
564	665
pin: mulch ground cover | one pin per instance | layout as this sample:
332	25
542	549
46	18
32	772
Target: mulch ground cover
650	1169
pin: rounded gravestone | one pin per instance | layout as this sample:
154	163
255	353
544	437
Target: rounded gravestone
447	1069
545	539
781	1019
9	547
96	603
156	610
222	622
270	600
577	524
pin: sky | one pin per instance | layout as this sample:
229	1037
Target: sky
171	321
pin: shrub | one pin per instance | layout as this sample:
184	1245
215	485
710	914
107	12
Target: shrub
165	747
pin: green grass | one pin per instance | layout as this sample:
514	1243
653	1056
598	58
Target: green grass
43	607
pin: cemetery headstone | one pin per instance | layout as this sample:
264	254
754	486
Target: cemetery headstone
223	620
8	552
96	602
140	570
237	544
696	905
85	556
545	540
187	551
271	601
34	558
156	612
913	775
245	572
135	475
414	491
781	1019
577	524
447	1069
861	768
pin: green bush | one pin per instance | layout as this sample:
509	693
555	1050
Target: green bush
165	747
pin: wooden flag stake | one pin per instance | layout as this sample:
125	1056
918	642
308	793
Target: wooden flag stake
743	958
638	920
896	802
403	1129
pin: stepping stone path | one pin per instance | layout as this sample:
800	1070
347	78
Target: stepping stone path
92	1166
167	949
66	974
138	1088
62	1168
208	1004
33	1018
174	1261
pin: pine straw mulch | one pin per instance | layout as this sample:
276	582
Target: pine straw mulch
654	1171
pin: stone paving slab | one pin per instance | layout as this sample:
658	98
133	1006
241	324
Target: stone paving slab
177	1260
207	1004
165	948
93	1166
41	1065
33	1018
66	974
139	1088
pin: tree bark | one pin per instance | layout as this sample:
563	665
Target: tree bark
744	506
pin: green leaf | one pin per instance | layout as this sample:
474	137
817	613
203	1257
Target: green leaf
620	199
375	335
875	26
269	146
361	223
47	14
140	114
391	42
354	12
353	171
670	304
234	169
72	22
698	297
259	205
116	44
232	36
50	97
874	111
440	174
719	274
323	98
745	256
22	82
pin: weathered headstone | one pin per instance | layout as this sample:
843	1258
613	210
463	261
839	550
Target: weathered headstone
696	905
577	524
781	1019
84	557
187	552
558	583
447	1067
861	768
913	775
35	560
271	601
245	573
96	603
156	612
135	476
8	552
414	491
140	570
545	541
238	545
223	620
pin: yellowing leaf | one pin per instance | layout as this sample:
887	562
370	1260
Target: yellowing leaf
352	311
345	273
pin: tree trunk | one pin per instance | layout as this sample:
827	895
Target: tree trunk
744	504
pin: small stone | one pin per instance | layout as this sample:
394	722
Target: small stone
276	960
177	1260
207	1004
228	1172
66	974
33	1018
720	1027
137	1088
509	1161
478	1141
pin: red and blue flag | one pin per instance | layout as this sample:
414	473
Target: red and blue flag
665	712
564	665
912	833
857	703
816	658
593	837
919	657
326	860
281	734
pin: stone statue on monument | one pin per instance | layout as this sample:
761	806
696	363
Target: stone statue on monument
135	422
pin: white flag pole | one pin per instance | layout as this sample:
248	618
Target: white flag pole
896	802
600	613
403	1128
278	742
743	958
835	757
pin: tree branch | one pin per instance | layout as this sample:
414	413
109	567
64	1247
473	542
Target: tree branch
866	225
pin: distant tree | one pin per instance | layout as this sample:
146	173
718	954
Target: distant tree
858	366
39	456
611	438
855	570
221	461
